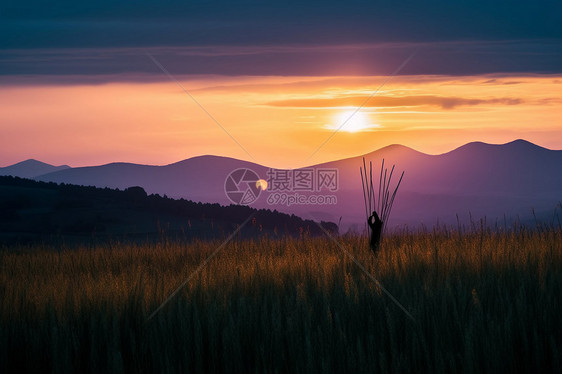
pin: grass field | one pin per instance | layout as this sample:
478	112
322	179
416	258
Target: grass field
481	302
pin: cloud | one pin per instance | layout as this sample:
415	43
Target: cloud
439	58
143	23
392	101
251	37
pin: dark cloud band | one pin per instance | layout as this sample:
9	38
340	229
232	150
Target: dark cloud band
115	64
250	37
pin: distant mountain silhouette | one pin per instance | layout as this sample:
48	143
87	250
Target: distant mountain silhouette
30	169
199	178
475	180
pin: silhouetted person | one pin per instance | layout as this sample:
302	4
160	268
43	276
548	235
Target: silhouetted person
376	231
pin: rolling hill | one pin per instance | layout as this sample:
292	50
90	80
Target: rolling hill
30	169
32	211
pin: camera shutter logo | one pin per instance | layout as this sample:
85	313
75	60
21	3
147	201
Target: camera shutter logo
243	186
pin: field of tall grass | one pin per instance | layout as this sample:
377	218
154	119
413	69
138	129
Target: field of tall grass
481	301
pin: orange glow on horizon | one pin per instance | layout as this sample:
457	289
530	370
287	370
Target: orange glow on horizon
280	121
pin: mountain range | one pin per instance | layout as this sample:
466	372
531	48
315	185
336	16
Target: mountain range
517	181
30	169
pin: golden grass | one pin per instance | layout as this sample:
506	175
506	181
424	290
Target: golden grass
482	301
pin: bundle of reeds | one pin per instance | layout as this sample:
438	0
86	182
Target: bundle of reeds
380	200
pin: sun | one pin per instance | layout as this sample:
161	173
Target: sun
261	183
351	121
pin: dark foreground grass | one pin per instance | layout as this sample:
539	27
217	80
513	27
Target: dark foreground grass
482	302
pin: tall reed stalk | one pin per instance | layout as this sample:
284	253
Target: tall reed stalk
383	200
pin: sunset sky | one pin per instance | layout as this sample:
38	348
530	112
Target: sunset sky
272	83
